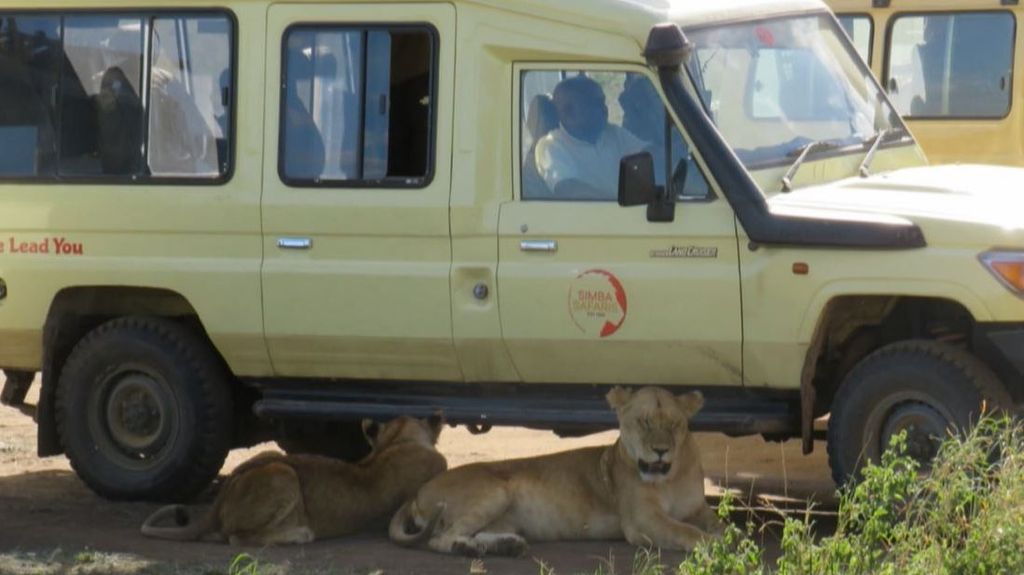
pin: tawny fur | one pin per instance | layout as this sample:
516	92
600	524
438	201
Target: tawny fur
276	499
627	489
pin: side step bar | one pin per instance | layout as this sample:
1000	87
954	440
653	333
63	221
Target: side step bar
568	409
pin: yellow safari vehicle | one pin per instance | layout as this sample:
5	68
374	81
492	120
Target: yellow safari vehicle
948	66
229	222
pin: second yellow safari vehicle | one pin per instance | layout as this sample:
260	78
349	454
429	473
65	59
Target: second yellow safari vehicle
227	222
949	67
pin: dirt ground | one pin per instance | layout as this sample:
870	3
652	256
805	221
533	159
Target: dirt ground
51	523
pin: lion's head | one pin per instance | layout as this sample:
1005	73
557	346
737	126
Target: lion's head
403	430
653	425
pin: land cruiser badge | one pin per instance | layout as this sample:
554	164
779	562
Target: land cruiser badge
686	252
597	303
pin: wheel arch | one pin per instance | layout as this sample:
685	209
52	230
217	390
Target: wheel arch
817	311
844	328
74	312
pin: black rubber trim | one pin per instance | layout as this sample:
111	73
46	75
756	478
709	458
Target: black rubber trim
750	204
734	411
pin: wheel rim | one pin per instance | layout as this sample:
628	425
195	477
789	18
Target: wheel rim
925	421
133	417
925	427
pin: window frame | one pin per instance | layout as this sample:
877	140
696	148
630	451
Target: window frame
520	68
388	183
886	78
871	32
861	64
141	179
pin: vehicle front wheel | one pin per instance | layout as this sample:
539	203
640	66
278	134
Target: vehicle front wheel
923	388
144	410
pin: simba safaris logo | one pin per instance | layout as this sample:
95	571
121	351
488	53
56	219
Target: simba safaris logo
597	303
686	252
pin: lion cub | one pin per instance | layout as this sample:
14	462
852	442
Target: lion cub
648	486
280	499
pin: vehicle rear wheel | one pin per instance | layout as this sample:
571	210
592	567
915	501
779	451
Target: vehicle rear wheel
924	388
338	439
144	410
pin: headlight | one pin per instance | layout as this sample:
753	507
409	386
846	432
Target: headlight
1008	267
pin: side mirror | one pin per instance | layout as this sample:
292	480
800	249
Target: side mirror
636	180
637	187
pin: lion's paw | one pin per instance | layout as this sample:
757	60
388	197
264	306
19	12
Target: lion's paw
510	545
468	547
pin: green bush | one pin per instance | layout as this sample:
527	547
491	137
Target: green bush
964	516
244	564
734	553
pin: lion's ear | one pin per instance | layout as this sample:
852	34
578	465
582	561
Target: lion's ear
371	429
619	396
690	403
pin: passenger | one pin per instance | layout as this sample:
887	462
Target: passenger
305	155
181	142
642	111
643	114
119	114
580	160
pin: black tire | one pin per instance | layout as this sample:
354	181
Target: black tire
338	439
924	387
144	410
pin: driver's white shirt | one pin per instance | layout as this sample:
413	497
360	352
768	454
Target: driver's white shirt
562	157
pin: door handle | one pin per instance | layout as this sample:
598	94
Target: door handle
538	246
294	243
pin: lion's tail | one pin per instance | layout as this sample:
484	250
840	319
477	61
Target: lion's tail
187	530
408	527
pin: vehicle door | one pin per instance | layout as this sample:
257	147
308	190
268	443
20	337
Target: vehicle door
356	190
950	75
592	292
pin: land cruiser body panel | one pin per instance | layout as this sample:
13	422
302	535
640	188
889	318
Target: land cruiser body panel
595	293
366	293
939	200
495	40
200	240
618	299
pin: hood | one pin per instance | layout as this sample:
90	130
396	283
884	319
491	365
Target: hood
986	195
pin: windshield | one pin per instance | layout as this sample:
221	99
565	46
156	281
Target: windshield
774	87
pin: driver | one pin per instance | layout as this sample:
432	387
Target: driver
580	159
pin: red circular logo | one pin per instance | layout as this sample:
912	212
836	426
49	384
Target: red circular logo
597	303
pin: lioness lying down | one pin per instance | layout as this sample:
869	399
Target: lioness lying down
648	486
280	499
